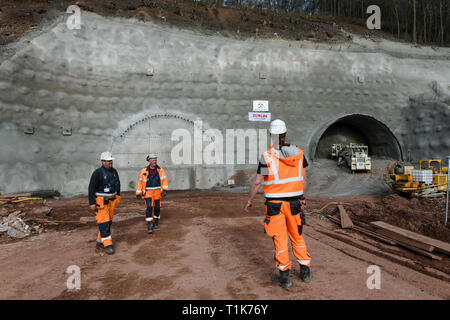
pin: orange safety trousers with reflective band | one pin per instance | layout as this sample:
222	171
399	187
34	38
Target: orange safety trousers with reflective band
285	218
285	175
153	195
104	216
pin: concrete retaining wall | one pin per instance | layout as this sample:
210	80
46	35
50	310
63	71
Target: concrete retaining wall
121	85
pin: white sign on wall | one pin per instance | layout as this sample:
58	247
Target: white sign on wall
259	116
260	105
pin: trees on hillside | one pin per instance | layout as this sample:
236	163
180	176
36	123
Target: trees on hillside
421	21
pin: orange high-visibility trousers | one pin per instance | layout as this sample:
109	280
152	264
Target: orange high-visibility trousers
104	216
153	201
154	194
284	218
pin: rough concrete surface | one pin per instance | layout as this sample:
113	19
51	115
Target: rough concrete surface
123	85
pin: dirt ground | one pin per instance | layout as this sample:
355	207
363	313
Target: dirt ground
207	248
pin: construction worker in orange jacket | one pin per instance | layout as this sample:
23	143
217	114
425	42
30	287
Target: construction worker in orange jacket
282	172
104	196
152	186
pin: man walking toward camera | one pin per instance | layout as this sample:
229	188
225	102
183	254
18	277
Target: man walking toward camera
152	186
104	196
282	172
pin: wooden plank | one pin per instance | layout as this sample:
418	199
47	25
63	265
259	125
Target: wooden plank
56	222
375	235
433	195
366	232
40	194
388	240
405	240
422	252
328	204
87	219
45	193
346	222
14	195
440	246
442	250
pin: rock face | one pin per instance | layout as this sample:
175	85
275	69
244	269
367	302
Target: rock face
125	86
428	129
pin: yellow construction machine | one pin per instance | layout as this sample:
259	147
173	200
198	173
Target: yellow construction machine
430	180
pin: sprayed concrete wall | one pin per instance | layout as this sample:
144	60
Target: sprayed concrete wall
121	85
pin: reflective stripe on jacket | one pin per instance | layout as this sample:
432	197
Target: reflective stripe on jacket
109	185
285	175
143	178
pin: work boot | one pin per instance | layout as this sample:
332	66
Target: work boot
99	245
150	227
283	279
305	273
109	250
155	224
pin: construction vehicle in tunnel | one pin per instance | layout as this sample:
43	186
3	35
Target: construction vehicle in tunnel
430	180
354	155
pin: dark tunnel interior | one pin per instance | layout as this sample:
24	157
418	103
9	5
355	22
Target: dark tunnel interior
359	129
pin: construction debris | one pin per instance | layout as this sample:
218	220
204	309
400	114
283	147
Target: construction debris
395	236
34	194
14	195
3	212
15	227
19	223
14	200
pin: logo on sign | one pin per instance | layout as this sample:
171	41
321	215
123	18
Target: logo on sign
260	105
259	116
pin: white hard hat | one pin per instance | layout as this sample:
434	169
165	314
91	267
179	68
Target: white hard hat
151	156
106	156
277	127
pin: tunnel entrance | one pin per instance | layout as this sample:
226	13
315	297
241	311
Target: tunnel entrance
359	129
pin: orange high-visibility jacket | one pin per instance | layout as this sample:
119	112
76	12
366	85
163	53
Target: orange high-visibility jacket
285	175
142	183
